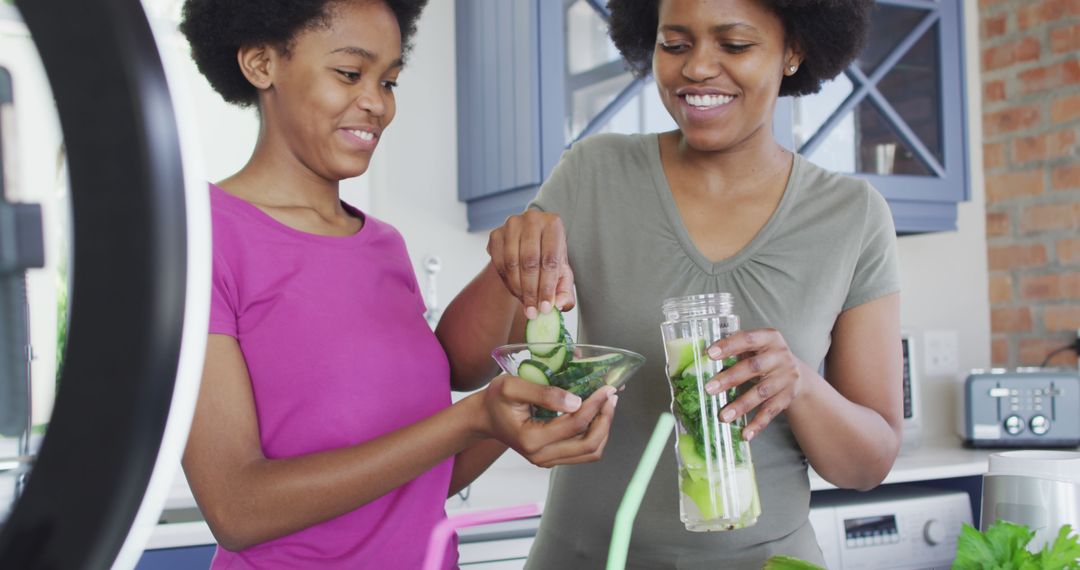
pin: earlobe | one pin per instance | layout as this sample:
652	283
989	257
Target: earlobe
256	65
792	60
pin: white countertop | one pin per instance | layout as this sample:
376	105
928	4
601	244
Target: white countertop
513	481
933	459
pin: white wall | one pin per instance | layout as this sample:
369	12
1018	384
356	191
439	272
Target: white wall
414	172
944	275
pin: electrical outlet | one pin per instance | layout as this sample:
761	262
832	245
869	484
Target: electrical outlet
941	350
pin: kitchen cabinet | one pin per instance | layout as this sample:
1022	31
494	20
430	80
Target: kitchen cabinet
895	117
177	558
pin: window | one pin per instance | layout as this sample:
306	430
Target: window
534	76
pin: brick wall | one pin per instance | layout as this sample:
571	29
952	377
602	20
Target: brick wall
1031	155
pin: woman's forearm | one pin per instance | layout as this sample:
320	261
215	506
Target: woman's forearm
471	463
480	318
271	498
849	445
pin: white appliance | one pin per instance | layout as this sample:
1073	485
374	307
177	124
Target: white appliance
901	528
1037	488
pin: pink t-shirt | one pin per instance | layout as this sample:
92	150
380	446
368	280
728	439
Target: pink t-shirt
339	353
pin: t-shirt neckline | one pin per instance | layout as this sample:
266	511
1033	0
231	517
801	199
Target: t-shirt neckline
671	211
257	214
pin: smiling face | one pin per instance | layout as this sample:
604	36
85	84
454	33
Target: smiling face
718	66
329	98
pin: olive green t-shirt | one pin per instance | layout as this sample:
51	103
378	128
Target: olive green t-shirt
829	246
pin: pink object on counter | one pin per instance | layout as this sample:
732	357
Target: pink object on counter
436	548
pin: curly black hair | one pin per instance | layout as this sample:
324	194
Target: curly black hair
830	33
216	29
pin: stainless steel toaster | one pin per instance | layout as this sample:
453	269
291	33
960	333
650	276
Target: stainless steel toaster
1025	407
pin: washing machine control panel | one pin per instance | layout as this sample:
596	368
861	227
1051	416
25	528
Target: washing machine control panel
902	528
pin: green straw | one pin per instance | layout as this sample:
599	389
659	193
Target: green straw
635	492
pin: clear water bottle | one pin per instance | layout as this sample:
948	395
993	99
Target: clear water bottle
717	487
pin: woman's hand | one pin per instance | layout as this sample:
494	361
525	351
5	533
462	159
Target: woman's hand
577	436
529	254
765	359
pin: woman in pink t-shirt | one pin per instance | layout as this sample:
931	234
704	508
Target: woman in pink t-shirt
324	435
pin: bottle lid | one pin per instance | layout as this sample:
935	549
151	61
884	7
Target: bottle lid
1049	464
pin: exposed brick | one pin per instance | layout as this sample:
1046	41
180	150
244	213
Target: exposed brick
1014	184
1033	351
1011	319
1000	288
994	91
1019	51
1065	177
1060	143
1051	76
1036	13
1068	251
1061	317
997	224
1008	257
999	351
1011	119
1070	285
993	156
1065	109
1041	288
1065	39
994	26
1046	146
1049	217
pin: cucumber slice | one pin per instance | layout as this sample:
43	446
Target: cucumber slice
545	328
569	376
602	359
682	352
596	364
557	360
692	460
586	385
535	372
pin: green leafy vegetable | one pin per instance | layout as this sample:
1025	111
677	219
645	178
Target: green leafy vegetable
1003	546
1064	553
688	408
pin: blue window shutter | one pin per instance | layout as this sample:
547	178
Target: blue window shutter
507	139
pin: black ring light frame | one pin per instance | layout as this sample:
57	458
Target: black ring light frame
130	272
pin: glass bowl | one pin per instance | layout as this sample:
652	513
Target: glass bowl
577	368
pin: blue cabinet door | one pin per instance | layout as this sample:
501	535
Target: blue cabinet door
509	103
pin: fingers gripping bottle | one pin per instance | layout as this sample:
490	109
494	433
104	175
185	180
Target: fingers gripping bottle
717	487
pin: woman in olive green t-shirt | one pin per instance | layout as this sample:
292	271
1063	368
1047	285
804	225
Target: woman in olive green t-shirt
716	205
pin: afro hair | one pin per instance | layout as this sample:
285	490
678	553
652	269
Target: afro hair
216	29
829	33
